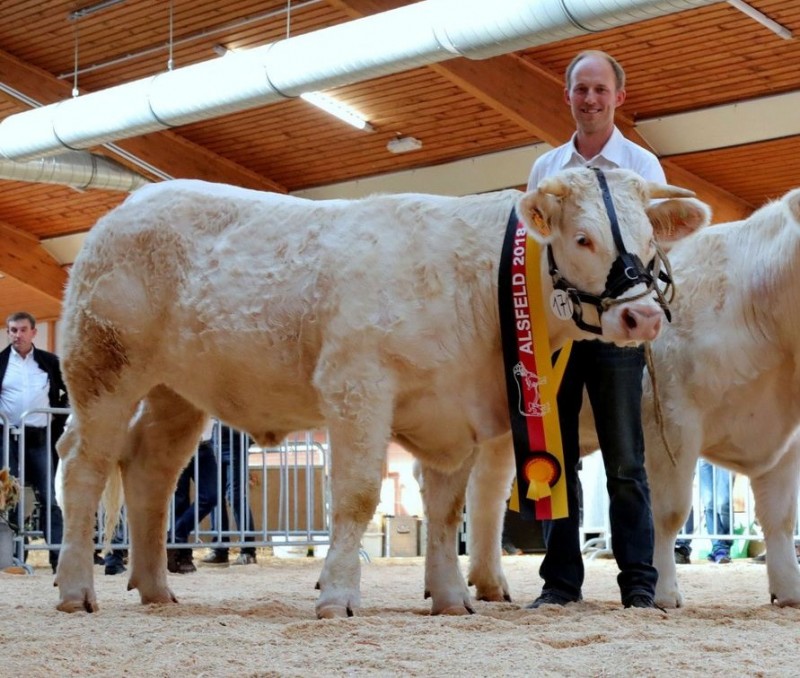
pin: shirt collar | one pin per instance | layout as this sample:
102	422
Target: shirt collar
16	353
612	153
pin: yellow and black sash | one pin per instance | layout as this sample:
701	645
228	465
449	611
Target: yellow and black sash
531	379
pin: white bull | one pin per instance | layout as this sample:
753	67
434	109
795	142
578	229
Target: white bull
728	376
376	318
728	381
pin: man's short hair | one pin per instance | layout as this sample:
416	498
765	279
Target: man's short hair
619	72
21	315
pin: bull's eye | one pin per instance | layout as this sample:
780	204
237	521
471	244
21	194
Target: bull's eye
583	240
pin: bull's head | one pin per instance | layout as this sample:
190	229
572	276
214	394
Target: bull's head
601	253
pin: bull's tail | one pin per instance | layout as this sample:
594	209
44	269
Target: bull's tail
112	500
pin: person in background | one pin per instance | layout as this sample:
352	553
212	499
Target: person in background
715	496
234	446
612	376
180	560
114	561
30	378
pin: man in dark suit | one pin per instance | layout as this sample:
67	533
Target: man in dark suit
30	378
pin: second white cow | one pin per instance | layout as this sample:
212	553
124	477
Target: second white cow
376	318
728	380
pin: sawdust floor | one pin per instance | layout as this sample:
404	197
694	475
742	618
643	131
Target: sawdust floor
259	620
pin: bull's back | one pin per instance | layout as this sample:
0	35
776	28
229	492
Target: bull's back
230	296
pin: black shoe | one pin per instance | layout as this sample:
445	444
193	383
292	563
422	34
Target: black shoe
179	561
641	600
114	564
551	597
510	549
682	554
216	557
98	559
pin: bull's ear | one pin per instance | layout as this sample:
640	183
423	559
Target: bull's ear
554	186
675	219
537	211
656	190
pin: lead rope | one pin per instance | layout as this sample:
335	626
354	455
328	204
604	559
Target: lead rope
651	370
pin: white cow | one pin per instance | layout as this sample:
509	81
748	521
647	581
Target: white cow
728	376
728	379
376	318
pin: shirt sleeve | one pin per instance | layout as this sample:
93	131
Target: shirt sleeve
650	168
536	175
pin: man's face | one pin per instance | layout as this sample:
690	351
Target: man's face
21	335
593	95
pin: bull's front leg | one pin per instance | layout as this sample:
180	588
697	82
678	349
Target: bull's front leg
359	404
443	496
775	495
671	495
355	490
487	493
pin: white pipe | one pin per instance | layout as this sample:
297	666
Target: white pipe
78	169
381	44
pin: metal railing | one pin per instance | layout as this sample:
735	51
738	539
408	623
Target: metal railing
596	531
287	489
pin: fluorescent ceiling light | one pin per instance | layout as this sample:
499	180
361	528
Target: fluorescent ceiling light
322	101
762	18
342	111
91	9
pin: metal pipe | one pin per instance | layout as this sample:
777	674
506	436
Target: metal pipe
78	169
408	37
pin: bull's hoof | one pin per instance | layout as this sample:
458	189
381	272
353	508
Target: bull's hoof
84	605
454	611
158	598
334	612
494	597
784	602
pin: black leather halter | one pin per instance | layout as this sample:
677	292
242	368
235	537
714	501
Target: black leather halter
626	272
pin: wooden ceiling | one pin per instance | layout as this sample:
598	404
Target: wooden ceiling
459	108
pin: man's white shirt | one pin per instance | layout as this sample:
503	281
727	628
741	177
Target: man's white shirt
24	387
618	152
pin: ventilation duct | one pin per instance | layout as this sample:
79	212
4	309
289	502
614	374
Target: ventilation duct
78	169
381	44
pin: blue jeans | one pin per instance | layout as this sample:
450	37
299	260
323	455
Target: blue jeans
233	448
206	492
715	497
613	379
37	455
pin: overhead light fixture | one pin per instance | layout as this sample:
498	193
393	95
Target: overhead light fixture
761	18
342	111
91	9
322	101
403	145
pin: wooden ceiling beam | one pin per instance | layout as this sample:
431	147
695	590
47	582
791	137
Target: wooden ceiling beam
23	258
166	151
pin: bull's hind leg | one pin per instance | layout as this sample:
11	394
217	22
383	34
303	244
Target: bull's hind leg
89	450
487	492
162	440
443	495
775	495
